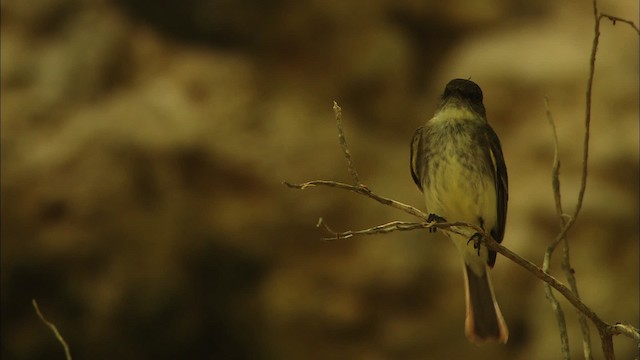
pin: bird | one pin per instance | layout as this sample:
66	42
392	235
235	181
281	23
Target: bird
458	165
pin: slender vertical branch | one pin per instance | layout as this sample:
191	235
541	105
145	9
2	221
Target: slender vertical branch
570	275
607	344
546	264
606	333
587	115
343	144
54	329
555	172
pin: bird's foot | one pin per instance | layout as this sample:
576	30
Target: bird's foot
435	218
476	241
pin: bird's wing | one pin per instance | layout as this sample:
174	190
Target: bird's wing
501	183
417	144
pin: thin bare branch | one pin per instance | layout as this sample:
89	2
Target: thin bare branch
337	110
546	263
395	226
555	172
376	230
571	279
562	324
606	332
54	329
627	330
615	19
587	117
362	190
607	342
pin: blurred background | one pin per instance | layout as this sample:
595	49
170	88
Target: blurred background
144	144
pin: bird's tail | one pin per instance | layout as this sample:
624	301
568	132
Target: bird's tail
484	320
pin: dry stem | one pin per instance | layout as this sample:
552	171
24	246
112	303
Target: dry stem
54	329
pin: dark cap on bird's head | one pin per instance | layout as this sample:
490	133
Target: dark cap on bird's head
465	90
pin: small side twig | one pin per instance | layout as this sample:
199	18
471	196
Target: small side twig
362	190
54	329
343	144
376	230
627	330
615	19
555	172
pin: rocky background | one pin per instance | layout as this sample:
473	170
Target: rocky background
144	144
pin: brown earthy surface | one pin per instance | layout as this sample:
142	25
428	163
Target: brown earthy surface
144	144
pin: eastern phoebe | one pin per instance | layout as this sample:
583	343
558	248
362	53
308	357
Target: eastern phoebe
456	161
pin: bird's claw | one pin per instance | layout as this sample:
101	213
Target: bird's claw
435	218
476	241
